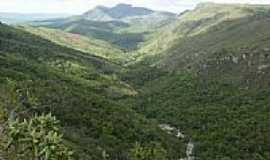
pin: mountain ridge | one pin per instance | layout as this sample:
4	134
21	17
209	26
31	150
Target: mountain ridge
208	74
205	18
122	11
17	18
205	74
122	25
117	12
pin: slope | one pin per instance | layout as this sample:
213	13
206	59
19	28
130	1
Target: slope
208	74
82	90
122	25
214	36
204	74
78	42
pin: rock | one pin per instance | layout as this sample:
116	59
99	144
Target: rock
235	60
166	127
189	151
179	134
264	66
244	56
266	49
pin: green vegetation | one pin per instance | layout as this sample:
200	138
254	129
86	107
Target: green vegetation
81	90
37	138
122	25
92	46
206	74
101	30
223	120
154	151
207	29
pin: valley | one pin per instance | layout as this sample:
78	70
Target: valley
131	83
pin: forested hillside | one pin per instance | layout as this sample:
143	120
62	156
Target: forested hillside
188	87
122	25
81	90
85	44
209	76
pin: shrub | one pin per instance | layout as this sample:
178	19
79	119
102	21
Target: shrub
36	139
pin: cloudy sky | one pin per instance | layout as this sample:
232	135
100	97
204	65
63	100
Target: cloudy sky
80	6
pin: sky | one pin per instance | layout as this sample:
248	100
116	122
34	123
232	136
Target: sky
80	6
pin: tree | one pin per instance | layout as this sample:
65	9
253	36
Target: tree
152	151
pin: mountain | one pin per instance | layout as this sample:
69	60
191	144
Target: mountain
120	11
195	87
122	25
15	18
82	90
78	42
214	34
208	74
123	12
195	22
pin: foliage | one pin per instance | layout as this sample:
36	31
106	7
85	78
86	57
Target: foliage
204	31
37	138
123	25
150	152
204	74
85	44
218	116
81	90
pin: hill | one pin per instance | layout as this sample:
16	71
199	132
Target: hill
81	90
199	84
78	42
207	73
122	25
15	18
121	11
214	36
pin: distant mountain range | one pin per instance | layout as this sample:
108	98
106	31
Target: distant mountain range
122	25
123	12
12	18
115	76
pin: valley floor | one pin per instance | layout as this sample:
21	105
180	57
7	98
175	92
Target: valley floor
197	89
177	132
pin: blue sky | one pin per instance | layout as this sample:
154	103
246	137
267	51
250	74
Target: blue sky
80	6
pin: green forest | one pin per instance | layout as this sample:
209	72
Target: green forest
131	83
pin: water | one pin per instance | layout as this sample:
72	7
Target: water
190	146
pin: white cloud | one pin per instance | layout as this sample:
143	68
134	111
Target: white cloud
79	6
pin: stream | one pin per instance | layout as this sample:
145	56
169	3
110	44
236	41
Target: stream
177	132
